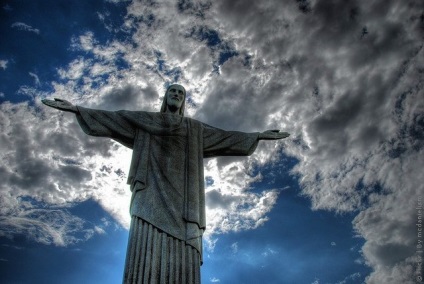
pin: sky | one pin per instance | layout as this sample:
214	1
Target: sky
339	201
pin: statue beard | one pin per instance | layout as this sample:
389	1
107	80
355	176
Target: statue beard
174	109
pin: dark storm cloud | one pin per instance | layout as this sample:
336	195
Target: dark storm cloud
228	105
28	169
240	100
48	160
347	113
30	173
350	62
391	254
196	8
74	174
23	168
342	113
128	97
63	143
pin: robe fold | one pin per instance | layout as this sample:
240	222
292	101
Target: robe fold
166	173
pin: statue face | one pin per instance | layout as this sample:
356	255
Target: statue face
175	96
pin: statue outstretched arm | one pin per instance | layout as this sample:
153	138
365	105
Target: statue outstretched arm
218	142
273	135
99	123
60	104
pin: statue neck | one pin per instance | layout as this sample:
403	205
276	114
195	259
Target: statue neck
172	110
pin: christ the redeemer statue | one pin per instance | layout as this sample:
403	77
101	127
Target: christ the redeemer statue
167	183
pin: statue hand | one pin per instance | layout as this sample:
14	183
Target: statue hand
273	135
60	104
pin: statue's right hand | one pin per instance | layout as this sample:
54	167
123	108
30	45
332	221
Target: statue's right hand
60	104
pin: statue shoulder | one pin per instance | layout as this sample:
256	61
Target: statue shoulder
138	113
193	121
138	117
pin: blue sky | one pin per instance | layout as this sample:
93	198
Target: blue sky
334	203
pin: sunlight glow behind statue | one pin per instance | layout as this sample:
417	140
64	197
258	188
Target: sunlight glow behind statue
166	179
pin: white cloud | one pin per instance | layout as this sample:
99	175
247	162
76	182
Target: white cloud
351	278
210	242
107	53
36	79
75	69
268	251
99	230
229	206
24	27
47	226
234	247
45	158
3	64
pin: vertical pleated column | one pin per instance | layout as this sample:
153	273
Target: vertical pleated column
164	265
154	257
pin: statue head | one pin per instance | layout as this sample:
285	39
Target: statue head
174	99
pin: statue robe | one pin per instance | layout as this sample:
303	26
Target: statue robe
166	172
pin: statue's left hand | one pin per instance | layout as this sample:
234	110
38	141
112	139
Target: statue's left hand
60	104
273	135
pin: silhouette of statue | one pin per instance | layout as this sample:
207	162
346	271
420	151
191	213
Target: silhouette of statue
166	180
